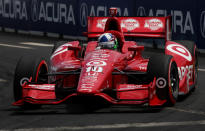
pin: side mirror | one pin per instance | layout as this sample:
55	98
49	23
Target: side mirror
136	49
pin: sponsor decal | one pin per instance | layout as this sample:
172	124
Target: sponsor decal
43	87
180	50
95	67
14	9
143	67
87	90
54	12
87	85
130	24
89	79
101	23
96	63
71	66
131	87
83	14
153	24
92	71
69	62
46	11
141	11
161	82
181	20
34	10
23	80
98	55
183	69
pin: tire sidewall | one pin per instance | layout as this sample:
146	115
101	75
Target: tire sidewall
159	66
172	96
27	67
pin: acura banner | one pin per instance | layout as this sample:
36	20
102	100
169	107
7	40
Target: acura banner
69	17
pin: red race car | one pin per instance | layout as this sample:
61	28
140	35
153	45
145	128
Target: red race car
110	69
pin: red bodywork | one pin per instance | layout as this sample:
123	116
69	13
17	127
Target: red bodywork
99	69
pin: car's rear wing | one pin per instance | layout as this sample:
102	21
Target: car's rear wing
153	27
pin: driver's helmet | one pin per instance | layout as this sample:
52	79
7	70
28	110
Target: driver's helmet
107	41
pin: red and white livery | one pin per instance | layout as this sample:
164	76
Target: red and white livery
87	74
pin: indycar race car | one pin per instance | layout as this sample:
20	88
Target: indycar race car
89	74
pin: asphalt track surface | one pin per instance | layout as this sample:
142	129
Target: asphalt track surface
188	114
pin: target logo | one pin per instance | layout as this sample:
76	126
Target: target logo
96	63
23	80
180	50
161	82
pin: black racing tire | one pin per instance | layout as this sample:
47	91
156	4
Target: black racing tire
29	66
191	46
164	68
58	44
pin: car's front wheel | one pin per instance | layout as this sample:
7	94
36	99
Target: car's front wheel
29	67
164	68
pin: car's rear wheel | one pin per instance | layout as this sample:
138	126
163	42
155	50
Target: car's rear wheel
29	67
191	46
164	68
173	84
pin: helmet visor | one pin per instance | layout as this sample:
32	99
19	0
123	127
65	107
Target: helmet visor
107	45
